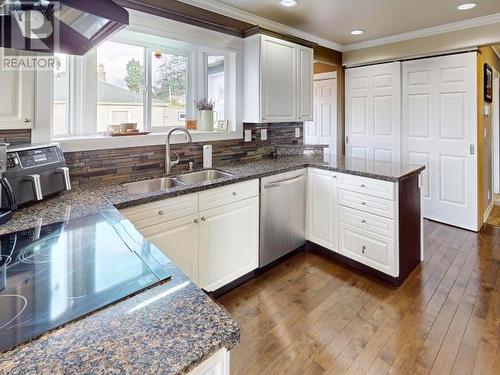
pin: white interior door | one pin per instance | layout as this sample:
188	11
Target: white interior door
323	128
440	132
373	112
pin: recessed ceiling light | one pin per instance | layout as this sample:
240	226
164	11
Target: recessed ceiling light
357	32
289	3
467	6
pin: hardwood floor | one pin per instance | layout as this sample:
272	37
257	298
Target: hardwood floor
494	217
309	315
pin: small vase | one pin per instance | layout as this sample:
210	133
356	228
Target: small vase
206	120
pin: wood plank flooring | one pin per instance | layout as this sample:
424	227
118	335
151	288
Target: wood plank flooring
309	315
494	218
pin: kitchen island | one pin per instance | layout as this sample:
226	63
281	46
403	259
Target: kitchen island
173	327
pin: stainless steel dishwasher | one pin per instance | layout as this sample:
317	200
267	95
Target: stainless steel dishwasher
283	211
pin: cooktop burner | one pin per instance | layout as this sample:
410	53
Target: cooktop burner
60	272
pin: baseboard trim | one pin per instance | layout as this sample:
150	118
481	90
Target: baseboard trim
488	211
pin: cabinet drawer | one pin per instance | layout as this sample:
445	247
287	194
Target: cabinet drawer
228	194
368	248
370	186
367	203
366	221
162	211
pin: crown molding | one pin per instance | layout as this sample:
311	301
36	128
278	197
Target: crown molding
430	31
236	13
230	11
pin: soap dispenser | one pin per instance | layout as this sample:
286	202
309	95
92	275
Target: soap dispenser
207	156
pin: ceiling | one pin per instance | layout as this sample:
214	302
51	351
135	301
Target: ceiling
334	19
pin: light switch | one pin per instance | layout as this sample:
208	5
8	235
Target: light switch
248	135
263	134
297	132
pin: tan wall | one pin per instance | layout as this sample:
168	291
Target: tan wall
484	156
472	37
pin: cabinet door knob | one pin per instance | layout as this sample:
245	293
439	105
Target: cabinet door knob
363	249
203	218
196	221
363	203
161	212
363	221
362	185
334	176
27	120
235	193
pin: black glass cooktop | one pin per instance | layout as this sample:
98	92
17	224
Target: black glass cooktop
59	272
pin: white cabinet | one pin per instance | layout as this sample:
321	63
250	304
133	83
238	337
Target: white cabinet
178	239
229	243
218	364
305	83
16	99
278	79
212	236
322	226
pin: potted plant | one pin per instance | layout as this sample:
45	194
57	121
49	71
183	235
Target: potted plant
206	109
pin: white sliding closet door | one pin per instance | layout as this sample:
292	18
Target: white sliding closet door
373	112
440	132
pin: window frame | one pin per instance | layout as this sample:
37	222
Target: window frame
182	34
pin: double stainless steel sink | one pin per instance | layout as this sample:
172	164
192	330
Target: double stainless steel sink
165	183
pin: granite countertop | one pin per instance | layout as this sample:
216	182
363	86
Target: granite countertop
92	197
169	328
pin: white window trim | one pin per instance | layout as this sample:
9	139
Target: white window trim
214	42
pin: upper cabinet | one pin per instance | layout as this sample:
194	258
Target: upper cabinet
16	99
278	78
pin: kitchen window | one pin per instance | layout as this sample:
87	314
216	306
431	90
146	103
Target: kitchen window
137	78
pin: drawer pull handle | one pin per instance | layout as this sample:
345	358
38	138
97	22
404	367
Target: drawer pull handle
363	249
363	221
161	212
235	193
196	221
203	218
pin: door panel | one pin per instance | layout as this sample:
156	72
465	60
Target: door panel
323	129
178	240
439	130
279	80
229	243
373	112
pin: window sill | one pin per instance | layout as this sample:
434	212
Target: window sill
103	142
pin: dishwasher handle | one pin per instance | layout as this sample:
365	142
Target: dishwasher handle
282	182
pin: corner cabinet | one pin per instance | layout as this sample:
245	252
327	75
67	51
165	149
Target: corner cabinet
17	99
278	81
371	224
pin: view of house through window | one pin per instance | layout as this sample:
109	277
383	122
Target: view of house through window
169	89
136	80
215	84
120	85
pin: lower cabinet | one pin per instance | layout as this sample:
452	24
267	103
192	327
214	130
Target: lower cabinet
212	247
322	225
218	364
229	243
178	239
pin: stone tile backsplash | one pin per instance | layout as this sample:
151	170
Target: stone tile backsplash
122	164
